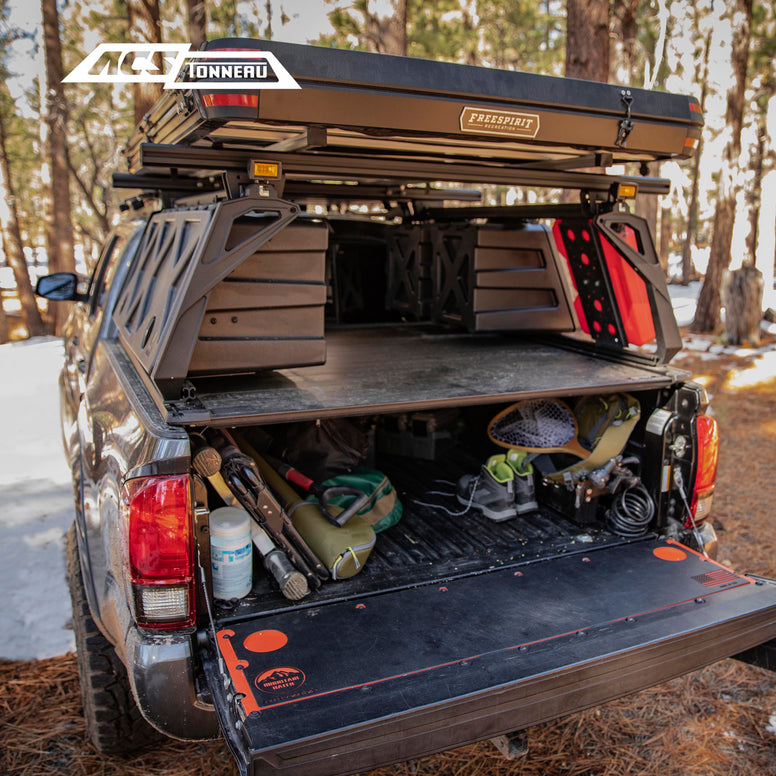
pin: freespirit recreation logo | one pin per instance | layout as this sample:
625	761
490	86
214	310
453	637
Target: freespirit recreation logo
176	66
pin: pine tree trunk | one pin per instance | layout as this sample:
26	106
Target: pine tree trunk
587	50
5	332
692	210
15	247
707	314
666	232
646	204
197	22
623	14
587	39
145	27
754	192
59	227
692	217
388	34
742	295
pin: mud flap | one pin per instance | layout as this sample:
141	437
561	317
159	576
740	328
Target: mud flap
353	684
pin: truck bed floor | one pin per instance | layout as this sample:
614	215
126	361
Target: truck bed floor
436	539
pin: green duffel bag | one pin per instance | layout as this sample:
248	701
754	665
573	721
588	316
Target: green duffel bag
383	508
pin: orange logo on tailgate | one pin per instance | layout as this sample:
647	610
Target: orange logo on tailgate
280	680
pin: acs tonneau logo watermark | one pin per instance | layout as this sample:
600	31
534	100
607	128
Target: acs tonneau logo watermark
176	66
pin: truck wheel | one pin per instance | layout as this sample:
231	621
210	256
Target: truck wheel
114	724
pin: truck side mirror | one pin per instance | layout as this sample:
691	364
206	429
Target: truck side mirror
59	287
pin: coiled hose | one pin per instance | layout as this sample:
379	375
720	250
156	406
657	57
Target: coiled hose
631	512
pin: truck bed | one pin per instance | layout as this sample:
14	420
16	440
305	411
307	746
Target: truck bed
436	540
407	368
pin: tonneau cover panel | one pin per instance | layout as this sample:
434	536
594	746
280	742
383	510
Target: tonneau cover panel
388	104
402	369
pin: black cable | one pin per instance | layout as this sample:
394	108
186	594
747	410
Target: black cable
631	512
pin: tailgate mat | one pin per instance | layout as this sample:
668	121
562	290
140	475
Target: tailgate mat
306	673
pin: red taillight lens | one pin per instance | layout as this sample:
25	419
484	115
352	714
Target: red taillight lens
707	440
160	550
229	99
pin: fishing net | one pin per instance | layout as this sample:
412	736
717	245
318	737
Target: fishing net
535	423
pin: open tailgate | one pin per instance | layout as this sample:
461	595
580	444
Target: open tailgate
352	684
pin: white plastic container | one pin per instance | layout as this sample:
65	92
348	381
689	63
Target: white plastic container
231	552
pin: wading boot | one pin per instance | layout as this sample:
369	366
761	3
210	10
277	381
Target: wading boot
523	472
492	491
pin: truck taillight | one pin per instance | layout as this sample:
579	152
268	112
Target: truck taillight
707	441
160	550
233	100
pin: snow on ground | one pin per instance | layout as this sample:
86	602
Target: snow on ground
37	503
37	499
684	299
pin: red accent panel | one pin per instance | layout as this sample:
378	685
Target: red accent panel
630	292
236	669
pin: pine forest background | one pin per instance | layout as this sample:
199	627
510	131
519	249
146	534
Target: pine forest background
60	144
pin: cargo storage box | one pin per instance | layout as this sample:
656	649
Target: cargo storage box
268	313
498	278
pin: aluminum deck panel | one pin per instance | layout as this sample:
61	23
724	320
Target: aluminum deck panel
405	369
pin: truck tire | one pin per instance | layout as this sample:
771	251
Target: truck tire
114	724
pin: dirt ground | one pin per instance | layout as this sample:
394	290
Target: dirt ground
717	721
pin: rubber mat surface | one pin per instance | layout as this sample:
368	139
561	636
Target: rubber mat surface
336	665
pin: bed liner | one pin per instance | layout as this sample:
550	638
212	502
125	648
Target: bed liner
437	539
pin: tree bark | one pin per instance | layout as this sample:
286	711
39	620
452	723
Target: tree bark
59	227
707	314
197	22
624	16
387	33
692	210
15	246
5	332
755	190
145	27
664	241
742	294
587	39
587	49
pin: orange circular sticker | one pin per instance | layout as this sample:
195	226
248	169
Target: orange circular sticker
265	641
669	553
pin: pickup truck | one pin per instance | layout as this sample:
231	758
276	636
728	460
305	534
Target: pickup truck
374	272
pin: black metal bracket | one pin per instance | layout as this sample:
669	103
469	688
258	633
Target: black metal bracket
647	266
596	159
374	167
182	255
309	137
591	276
626	124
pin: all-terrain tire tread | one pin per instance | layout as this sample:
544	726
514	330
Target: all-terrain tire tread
114	724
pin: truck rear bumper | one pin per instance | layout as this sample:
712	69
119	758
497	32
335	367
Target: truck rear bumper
351	685
161	671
